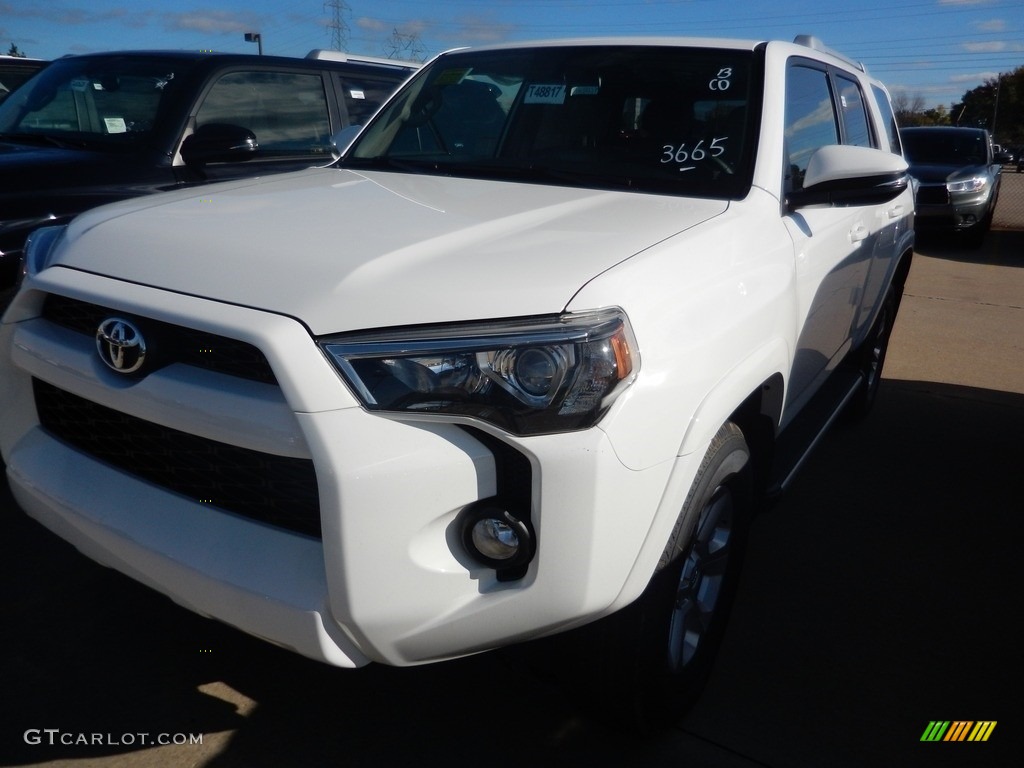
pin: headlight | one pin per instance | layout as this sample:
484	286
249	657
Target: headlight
528	376
973	184
39	249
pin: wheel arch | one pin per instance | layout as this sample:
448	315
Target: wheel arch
752	394
902	271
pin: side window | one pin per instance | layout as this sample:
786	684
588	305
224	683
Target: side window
855	117
810	119
364	95
888	119
286	110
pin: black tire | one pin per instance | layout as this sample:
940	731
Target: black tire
974	238
870	358
657	653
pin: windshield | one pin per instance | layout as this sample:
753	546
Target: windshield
962	147
645	118
84	101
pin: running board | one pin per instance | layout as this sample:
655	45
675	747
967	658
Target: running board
794	445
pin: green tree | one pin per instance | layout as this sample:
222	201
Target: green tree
936	116
997	104
13	51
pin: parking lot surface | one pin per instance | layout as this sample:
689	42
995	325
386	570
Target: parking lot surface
881	594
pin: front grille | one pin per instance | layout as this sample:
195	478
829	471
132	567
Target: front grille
277	490
167	343
933	195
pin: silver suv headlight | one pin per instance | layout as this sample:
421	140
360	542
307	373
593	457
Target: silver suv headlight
973	184
527	376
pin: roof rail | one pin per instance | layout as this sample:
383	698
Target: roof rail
815	44
329	55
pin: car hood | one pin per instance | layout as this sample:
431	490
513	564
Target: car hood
939	173
27	169
16	156
343	251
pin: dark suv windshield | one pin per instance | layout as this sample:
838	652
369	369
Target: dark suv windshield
108	100
646	118
945	147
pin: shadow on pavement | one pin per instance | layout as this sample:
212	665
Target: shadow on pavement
880	594
1003	247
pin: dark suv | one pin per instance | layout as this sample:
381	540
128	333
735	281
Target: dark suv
15	70
94	129
957	178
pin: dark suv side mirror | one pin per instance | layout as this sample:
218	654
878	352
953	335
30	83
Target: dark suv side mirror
219	143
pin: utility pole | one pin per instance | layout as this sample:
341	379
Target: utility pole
995	111
337	24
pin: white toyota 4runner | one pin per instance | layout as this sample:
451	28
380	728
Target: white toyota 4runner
526	357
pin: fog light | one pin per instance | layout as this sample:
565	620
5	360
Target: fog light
496	538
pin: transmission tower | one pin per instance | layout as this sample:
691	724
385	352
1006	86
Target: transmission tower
404	45
337	24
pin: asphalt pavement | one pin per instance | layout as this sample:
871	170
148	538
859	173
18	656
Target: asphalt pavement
880	595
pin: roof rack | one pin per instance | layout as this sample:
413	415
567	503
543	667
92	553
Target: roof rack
329	55
815	44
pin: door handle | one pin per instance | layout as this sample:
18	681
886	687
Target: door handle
858	233
896	212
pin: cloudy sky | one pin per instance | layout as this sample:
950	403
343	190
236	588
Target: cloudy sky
937	49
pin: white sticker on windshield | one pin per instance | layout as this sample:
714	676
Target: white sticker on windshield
115	125
357	94
544	94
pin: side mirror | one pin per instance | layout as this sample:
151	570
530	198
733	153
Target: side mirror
219	143
341	140
845	175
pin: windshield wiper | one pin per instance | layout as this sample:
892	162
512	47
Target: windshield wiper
408	164
500	170
517	171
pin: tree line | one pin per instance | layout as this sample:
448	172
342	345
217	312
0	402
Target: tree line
997	104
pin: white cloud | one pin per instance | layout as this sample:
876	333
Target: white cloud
372	25
977	77
993	25
211	22
993	46
482	30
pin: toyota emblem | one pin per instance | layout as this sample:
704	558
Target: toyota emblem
120	345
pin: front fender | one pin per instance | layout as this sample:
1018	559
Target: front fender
747	377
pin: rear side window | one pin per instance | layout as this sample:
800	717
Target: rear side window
364	95
287	111
888	120
810	119
856	127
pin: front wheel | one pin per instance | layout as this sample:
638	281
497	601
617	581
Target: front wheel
659	650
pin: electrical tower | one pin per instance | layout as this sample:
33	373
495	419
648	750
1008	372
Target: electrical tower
404	45
337	24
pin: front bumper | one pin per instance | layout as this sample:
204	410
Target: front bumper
938	209
388	580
